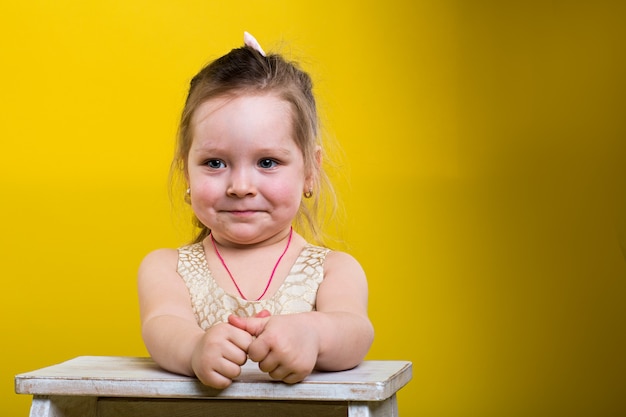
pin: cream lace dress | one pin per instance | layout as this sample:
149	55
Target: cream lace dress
211	304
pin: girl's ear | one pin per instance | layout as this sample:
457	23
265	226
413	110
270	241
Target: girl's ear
310	180
186	172
318	156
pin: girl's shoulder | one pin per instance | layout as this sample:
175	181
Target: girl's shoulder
159	260
342	262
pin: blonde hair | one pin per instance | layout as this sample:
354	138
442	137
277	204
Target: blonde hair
245	71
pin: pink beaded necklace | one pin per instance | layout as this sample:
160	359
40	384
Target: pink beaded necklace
273	270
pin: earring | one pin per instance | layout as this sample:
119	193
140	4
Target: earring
309	194
188	196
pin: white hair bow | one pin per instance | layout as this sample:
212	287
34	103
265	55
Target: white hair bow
250	41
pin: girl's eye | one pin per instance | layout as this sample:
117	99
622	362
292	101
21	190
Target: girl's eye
215	164
267	163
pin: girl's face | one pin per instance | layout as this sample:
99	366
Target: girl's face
245	171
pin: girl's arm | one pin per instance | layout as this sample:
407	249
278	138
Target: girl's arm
171	333
336	336
344	328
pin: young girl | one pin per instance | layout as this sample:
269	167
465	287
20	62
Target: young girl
250	286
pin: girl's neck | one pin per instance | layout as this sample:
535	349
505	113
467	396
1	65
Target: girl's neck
225	244
271	277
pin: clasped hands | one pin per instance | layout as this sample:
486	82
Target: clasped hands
283	346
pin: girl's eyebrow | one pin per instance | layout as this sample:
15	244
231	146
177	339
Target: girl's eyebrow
279	150
262	151
206	149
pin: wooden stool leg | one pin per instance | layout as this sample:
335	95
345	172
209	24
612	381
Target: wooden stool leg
386	408
55	406
40	406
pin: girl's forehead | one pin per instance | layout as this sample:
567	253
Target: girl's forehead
243	105
258	120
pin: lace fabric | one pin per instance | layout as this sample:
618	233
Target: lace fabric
211	304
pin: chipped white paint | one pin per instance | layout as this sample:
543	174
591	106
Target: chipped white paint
139	386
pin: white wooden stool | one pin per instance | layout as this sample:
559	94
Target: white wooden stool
107	386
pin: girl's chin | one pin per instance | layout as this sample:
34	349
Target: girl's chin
246	234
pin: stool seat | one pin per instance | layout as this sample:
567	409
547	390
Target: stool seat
103	386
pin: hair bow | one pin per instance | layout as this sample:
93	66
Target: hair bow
250	41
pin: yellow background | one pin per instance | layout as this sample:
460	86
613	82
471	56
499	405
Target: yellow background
483	176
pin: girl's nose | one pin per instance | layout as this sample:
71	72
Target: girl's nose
241	184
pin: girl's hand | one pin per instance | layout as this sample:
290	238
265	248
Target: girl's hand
286	347
218	356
